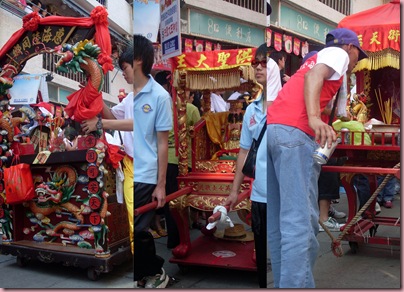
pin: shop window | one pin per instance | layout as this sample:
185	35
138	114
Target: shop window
254	5
342	6
58	94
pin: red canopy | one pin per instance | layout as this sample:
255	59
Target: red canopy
378	30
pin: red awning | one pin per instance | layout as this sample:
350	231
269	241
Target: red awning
378	30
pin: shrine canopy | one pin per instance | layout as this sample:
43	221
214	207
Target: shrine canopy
213	70
378	30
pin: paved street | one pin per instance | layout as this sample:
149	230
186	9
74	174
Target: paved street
56	276
373	266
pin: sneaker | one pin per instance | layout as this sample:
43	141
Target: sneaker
388	204
331	224
332	212
157	281
377	208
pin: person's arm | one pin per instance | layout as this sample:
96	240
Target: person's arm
238	179
313	83
159	192
90	125
107	113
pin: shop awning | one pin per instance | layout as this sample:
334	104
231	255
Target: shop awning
378	30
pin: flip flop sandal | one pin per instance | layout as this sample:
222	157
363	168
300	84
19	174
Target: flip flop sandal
154	233
162	232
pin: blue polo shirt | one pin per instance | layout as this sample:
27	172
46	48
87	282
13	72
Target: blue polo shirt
253	121
152	113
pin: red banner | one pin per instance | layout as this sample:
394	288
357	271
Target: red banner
188	45
305	49
296	46
208	46
288	43
214	60
268	36
277	41
198	45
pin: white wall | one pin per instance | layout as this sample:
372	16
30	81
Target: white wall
118	83
120	14
9	23
360	5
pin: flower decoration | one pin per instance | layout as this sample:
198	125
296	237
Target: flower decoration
80	46
31	21
99	15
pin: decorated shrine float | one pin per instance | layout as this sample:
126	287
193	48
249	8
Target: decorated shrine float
74	217
214	146
374	150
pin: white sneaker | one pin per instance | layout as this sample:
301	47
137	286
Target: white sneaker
332	212
157	281
377	208
331	224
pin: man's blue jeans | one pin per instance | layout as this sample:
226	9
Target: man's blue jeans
292	206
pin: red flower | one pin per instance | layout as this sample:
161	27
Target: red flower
99	15
31	21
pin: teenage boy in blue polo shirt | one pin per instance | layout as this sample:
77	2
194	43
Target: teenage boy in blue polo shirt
152	115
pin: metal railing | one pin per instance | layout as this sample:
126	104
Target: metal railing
12	8
102	2
342	6
254	5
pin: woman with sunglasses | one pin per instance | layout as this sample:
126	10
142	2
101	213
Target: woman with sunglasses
267	74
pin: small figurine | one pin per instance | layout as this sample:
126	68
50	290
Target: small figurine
122	94
70	139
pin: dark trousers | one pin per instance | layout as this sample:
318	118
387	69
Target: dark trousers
147	262
173	237
259	228
362	185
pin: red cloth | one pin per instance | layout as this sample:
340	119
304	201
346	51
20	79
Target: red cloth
378	28
85	103
114	153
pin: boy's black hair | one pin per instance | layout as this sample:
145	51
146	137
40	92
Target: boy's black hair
262	50
144	51
34	2
161	77
126	57
276	56
197	100
70	133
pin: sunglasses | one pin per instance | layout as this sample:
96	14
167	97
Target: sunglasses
255	63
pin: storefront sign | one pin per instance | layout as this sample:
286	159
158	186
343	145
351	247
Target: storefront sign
170	33
225	30
304	24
